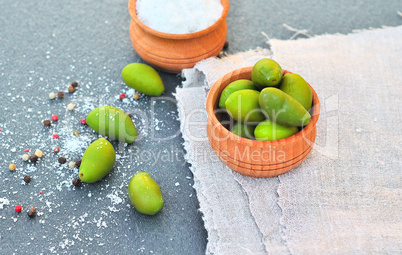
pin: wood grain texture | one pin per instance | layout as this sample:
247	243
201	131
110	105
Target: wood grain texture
174	52
253	158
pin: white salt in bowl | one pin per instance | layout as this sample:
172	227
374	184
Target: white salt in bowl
174	52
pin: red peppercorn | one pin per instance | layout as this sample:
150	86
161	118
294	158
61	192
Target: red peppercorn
83	121
18	208
56	136
0	129
55	117
57	150
40	192
122	96
26	150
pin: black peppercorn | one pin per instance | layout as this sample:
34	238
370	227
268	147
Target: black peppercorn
27	178
47	123
33	158
226	45
62	160
78	163
31	212
74	84
60	94
77	182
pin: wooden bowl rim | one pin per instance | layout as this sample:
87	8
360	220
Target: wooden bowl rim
134	17
210	106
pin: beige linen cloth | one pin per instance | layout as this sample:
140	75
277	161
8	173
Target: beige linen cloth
345	198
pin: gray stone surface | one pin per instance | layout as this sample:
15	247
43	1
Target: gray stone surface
44	45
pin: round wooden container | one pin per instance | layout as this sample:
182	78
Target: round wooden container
256	158
174	52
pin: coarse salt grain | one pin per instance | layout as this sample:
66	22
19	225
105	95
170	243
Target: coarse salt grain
179	16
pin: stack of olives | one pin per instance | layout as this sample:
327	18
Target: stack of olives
271	106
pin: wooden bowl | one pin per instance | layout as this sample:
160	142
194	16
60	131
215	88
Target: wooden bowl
256	158
174	52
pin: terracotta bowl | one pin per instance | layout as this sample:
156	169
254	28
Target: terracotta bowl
250	157
174	52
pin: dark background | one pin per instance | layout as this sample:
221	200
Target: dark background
44	46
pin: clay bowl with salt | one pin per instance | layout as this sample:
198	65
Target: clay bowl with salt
174	52
253	158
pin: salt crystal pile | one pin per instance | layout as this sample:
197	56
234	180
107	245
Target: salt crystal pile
178	16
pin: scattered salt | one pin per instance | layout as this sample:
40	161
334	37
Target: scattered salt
179	16
3	201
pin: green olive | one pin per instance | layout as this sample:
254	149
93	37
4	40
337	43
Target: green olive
234	86
282	108
143	78
145	194
270	131
243	130
295	86
243	106
266	73
98	161
113	122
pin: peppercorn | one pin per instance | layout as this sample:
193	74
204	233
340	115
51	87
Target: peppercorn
34	158
52	95
70	107
25	157
32	212
55	117
74	84
71	89
18	208
77	182
62	160
26	150
71	164
56	136
60	94
39	153
76	133
83	121
12	167
57	150
122	96
47	123
136	96
130	115
78	163
27	178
